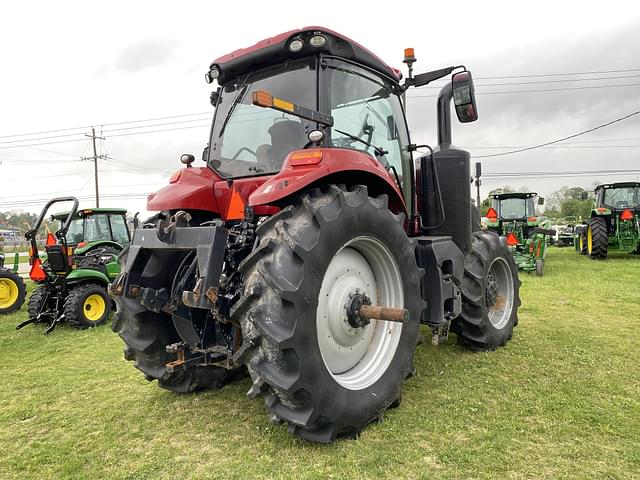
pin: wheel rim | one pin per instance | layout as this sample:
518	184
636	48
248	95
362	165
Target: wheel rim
357	357
581	243
499	293
94	307
589	240
9	292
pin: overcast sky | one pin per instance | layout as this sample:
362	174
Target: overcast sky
77	64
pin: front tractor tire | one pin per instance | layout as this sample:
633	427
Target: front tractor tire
87	305
317	371
12	291
490	295
597	238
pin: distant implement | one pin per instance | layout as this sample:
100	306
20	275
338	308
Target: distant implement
614	224
513	216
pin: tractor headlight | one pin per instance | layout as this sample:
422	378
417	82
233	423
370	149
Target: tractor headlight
317	41
296	45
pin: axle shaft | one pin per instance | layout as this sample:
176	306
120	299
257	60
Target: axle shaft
376	312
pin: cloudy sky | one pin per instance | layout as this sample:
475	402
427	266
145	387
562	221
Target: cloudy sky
67	66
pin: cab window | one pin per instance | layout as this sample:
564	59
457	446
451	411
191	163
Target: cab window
96	227
364	105
119	229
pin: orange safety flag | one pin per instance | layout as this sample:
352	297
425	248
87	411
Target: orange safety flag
235	209
51	240
37	273
512	240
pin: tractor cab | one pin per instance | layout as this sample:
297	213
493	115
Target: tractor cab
513	206
91	227
310	104
618	197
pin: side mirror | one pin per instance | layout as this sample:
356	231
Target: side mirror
464	97
187	159
584	195
540	200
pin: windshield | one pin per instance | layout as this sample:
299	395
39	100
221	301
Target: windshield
513	208
626	197
249	140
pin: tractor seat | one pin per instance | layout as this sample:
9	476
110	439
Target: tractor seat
57	258
286	136
622	204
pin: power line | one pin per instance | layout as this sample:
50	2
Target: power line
85	127
154	125
531	75
565	173
537	82
157	131
593	129
565	89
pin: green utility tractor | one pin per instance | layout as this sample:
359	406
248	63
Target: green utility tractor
80	262
614	223
513	215
12	287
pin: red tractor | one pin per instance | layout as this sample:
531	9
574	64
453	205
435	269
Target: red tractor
315	242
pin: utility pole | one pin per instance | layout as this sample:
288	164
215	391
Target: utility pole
95	161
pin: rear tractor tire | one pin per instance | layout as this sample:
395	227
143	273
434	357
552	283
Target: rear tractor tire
37	300
490	295
87	305
318	371
583	243
12	291
146	336
597	238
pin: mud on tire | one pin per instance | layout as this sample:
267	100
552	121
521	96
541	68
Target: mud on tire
279	312
489	309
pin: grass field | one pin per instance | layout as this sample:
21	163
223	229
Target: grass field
562	400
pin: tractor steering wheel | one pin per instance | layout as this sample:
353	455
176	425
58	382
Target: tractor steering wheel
235	157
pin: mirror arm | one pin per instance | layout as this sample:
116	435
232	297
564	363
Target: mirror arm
423	79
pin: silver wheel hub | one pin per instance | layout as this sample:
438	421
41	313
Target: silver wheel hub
356	357
499	293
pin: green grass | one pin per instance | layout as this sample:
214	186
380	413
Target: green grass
560	401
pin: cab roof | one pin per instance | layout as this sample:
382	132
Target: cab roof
618	185
88	211
274	50
500	196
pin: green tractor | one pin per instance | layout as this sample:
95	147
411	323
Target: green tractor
614	223
12	287
80	262
513	216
